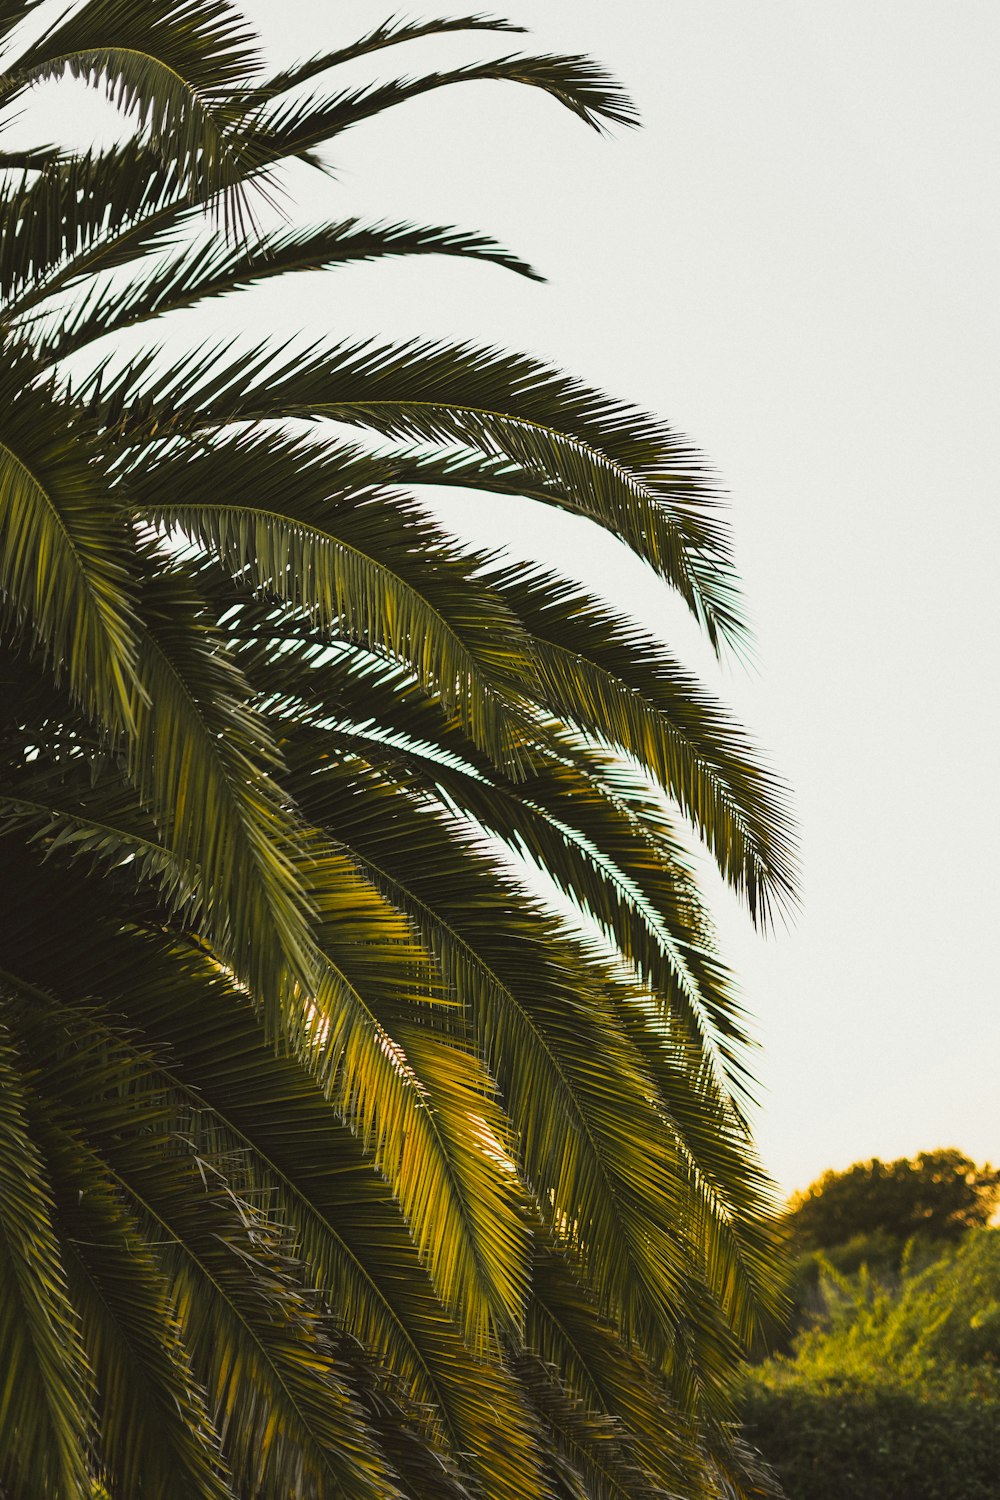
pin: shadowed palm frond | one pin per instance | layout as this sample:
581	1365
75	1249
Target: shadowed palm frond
173	68
201	746
46	1391
64	564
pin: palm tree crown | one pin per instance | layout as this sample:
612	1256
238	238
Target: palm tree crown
332	1161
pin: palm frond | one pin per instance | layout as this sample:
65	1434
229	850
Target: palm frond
154	1430
347	1228
282	519
585	1450
294	127
359	1170
618	684
64	565
174	68
12	12
420	1103
729	1218
106	831
592	455
54	226
45	1391
201	762
614	1384
389	34
213	269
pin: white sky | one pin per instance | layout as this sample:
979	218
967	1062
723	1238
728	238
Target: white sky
795	263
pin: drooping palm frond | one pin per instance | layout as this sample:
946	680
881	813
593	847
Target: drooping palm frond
336	1162
590	455
212	269
199	744
618	684
286	521
389	34
154	1429
294	127
422	1106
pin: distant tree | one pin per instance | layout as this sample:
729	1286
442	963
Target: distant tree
938	1194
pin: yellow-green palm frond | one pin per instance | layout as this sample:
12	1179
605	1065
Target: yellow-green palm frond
64	553
286	520
418	1099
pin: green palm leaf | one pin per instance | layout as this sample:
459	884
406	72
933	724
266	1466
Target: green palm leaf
295	127
618	684
379	574
213	269
54	227
154	1429
421	1104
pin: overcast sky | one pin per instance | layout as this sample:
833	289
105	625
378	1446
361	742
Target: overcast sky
795	263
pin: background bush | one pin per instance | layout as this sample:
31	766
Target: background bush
870	1442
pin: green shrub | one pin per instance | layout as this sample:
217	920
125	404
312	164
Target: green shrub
829	1442
937	1328
894	1392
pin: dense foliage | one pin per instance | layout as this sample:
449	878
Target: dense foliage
874	1442
331	1162
896	1392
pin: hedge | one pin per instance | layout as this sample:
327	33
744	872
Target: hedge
828	1442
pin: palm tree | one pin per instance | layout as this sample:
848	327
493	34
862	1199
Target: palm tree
332	1161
